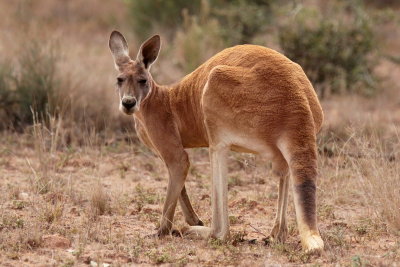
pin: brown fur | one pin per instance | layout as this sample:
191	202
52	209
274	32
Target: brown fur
246	98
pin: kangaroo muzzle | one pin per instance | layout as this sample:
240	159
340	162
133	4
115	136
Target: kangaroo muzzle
128	103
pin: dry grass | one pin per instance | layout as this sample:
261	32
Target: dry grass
107	215
378	171
83	68
99	201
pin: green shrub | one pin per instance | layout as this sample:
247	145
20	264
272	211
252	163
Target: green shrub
336	53
197	41
240	20
37	82
200	28
383	3
148	14
29	85
7	99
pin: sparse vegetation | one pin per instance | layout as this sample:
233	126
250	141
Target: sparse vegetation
51	212
377	164
33	84
120	220
69	174
238	21
337	54
99	201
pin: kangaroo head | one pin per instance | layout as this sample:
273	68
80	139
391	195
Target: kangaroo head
134	81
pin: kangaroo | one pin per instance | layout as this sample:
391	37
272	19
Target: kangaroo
246	98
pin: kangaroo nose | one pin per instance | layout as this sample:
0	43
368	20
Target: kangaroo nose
129	103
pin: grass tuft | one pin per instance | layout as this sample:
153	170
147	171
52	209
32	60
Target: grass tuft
99	201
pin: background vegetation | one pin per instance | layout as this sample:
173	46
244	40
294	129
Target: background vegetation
336	43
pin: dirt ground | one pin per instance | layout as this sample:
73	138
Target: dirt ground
97	205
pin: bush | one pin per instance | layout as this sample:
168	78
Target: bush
200	28
198	40
383	3
37	84
7	99
240	20
146	15
34	87
336	53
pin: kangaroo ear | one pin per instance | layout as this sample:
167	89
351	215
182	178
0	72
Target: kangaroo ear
149	50
119	49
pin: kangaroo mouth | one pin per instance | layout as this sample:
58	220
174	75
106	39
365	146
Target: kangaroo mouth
127	111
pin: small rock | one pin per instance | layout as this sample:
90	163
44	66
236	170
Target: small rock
56	241
95	264
23	196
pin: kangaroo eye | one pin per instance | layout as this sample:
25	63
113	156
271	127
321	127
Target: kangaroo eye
120	80
143	81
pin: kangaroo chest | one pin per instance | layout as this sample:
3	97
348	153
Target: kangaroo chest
143	136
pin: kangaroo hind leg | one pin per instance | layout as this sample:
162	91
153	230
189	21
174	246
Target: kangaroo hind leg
301	156
280	230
